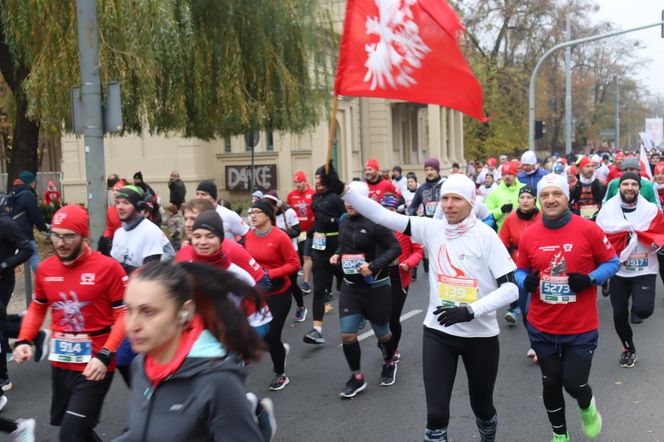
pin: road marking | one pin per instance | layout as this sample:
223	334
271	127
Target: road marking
403	317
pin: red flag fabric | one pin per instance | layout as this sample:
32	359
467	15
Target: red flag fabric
406	50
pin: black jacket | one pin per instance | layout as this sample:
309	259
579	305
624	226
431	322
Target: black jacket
378	244
14	247
25	213
328	208
597	188
178	191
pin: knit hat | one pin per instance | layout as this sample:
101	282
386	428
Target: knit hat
210	220
263	207
659	167
300	177
584	162
373	164
72	217
630	163
508	168
272	196
119	184
460	185
528	188
630	176
491	162
619	155
433	163
208	187
360	187
132	194
258	194
528	157
553	180
596	159
139	175
389	201
27	177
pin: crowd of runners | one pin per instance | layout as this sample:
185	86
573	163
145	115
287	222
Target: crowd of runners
180	314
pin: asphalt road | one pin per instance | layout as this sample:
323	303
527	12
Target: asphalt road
630	400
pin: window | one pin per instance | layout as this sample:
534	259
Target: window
269	141
410	133
227	144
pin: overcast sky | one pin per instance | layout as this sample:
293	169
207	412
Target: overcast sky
634	13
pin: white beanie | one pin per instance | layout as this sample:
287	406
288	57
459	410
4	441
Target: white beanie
360	187
529	157
596	159
553	180
460	185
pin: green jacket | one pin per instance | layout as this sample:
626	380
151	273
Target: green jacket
647	190
502	195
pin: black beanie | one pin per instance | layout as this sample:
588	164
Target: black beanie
132	194
264	207
630	176
139	175
208	187
210	220
529	189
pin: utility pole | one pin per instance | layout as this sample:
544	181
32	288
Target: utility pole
617	113
568	88
93	130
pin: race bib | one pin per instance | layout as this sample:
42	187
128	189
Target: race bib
588	211
319	241
555	290
456	292
636	262
430	208
350	263
72	349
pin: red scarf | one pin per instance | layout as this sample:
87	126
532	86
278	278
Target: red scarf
217	259
156	372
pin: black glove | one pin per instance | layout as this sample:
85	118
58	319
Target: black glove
531	282
506	208
453	315
578	282
331	180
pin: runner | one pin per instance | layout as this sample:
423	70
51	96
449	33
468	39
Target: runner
531	173
301	200
273	250
487	187
471	277
234	226
561	260
631	164
411	189
84	290
328	208
399	181
587	193
401	275
113	222
625	214
191	339
658	184
378	186
515	224
492	168
505	198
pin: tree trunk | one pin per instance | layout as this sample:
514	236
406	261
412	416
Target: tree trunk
23	155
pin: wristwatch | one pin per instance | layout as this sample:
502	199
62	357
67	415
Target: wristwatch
105	355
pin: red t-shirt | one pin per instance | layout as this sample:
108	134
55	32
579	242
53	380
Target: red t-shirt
513	228
84	297
578	247
613	173
301	203
382	187
275	253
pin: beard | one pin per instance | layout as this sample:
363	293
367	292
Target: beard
74	253
629	199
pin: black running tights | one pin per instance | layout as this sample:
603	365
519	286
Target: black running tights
280	308
399	294
440	356
642	291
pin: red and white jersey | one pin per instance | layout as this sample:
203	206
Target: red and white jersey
301	203
382	187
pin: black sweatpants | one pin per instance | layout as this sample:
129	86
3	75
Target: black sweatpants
642	291
323	274
6	290
296	291
279	307
440	357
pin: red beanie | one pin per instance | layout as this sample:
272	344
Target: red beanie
584	162
373	164
659	167
72	217
508	168
300	177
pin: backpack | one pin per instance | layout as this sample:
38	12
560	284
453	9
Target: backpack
7	201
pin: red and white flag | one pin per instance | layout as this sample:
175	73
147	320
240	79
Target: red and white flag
645	164
406	50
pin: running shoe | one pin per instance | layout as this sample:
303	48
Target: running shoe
389	374
314	337
634	318
355	384
510	317
268	406
560	437
25	431
531	353
628	359
6	384
306	288
41	345
397	356
3	401
591	420
300	314
279	382
439	435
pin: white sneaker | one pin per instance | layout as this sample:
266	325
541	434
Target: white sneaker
25	431
268	406
3	401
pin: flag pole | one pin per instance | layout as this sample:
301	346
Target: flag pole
333	126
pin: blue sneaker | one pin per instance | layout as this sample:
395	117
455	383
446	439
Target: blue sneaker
300	314
306	288
314	337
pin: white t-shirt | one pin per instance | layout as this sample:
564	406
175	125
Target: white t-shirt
642	261
408	195
468	264
234	225
401	185
131	247
286	220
